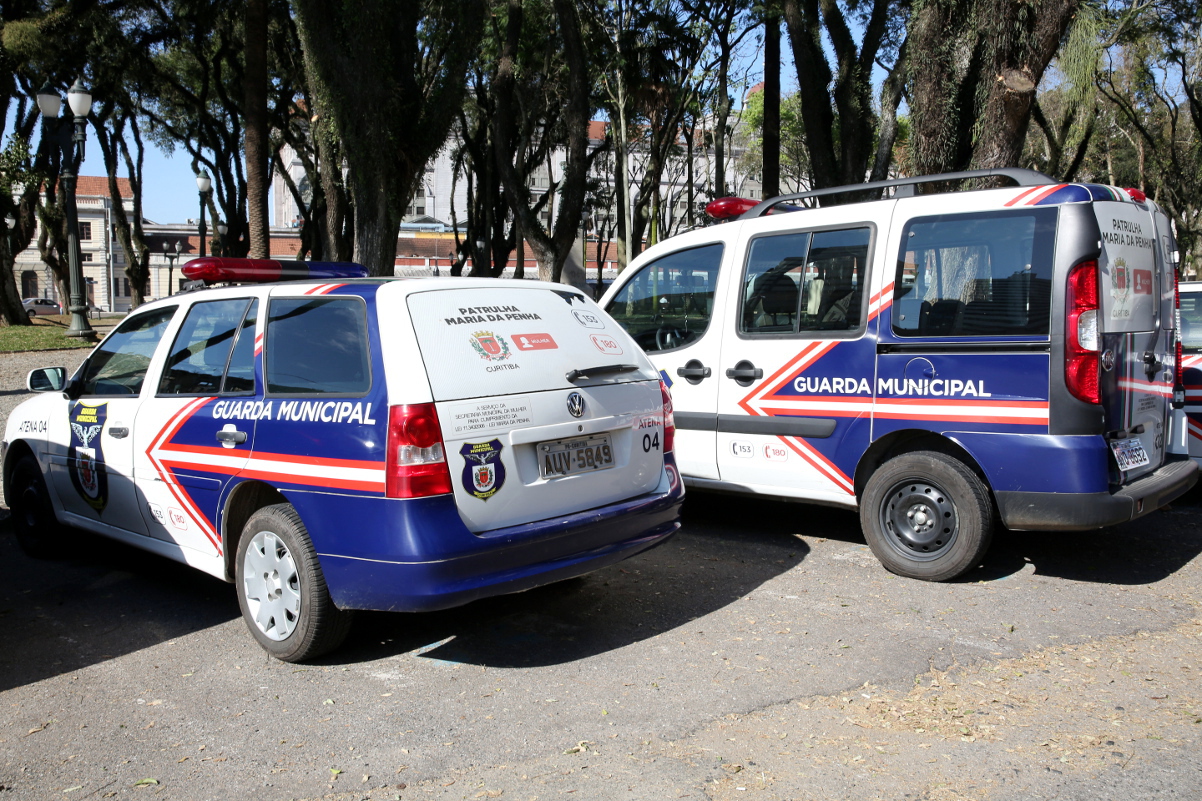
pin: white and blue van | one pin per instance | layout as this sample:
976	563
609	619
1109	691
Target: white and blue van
946	362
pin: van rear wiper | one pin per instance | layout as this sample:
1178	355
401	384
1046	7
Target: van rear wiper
575	375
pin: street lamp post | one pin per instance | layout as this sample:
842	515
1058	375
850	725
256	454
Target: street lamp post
70	139
205	184
219	245
171	257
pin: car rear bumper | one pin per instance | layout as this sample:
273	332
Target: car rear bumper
1052	511
508	560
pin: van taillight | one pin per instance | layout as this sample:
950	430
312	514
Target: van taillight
416	464
1178	367
669	418
1081	336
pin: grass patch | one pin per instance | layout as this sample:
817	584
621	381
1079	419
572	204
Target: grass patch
46	333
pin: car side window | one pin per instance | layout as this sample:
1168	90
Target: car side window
669	301
805	281
201	351
317	346
118	365
979	274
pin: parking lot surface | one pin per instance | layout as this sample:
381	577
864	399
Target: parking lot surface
761	653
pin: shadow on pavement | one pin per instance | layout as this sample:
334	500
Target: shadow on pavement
1143	551
102	601
719	556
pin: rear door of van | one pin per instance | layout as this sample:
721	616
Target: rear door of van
1136	329
547	406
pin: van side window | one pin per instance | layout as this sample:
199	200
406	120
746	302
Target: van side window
982	274
317	346
800	282
118	366
669	302
201	351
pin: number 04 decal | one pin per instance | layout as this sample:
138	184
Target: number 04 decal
650	441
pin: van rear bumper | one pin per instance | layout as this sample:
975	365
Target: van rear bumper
1077	511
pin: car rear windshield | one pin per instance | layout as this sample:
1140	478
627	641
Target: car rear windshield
511	339
981	274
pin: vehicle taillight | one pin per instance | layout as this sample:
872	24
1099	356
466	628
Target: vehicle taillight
1178	367
669	418
1081	336
416	465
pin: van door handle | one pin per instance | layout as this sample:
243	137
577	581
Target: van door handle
230	436
693	371
119	432
744	373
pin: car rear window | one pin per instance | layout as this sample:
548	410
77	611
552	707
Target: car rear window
511	339
982	274
317	346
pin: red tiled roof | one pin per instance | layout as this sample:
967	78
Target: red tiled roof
98	186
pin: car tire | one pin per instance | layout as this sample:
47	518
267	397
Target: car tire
34	523
926	515
31	314
281	590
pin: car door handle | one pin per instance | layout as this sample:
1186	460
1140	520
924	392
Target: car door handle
744	373
231	436
694	371
118	432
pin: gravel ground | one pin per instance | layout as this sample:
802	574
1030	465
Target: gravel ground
762	654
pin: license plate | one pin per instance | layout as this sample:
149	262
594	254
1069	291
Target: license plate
1130	453
566	457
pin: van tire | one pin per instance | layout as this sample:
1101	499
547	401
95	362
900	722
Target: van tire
926	515
281	590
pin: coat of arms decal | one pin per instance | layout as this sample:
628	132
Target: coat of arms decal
483	471
490	346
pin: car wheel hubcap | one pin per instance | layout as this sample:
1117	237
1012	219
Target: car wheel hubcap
919	519
272	586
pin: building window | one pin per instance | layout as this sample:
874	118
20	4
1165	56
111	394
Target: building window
123	287
85	256
29	284
85	232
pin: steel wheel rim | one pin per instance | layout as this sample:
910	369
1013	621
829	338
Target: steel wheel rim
271	584
919	520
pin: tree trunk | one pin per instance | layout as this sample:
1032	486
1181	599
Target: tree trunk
770	139
256	145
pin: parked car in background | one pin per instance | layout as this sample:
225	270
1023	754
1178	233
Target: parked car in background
41	306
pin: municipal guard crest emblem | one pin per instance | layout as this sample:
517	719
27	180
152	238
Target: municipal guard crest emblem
490	346
483	470
85	458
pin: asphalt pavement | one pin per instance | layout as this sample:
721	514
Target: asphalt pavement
761	653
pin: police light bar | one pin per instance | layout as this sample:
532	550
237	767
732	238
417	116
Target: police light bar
731	208
215	270
728	208
1136	194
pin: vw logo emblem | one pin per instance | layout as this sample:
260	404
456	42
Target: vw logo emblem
575	404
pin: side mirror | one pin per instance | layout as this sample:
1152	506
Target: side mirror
47	379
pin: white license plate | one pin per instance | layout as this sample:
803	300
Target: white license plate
566	457
1130	453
